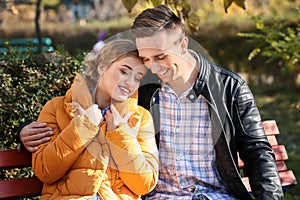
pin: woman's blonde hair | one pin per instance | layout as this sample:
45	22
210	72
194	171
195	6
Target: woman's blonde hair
110	52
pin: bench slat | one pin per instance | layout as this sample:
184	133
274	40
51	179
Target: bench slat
22	187
272	140
22	45
279	151
270	127
287	178
26	41
281	166
11	158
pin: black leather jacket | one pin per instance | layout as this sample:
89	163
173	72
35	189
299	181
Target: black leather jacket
237	127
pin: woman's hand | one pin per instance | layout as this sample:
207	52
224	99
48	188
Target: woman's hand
93	113
114	119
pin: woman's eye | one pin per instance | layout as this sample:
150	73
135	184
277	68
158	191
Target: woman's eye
123	71
137	79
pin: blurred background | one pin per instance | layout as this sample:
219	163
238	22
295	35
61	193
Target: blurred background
260	42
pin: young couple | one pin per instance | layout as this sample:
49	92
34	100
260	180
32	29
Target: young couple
203	116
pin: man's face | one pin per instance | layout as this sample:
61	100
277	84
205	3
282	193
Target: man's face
161	53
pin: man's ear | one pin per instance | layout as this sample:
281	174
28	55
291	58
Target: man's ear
184	44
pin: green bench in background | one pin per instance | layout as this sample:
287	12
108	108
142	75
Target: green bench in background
22	45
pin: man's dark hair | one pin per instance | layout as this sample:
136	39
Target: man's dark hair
156	19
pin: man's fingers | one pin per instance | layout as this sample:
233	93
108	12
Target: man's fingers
32	145
35	143
31	149
36	124
39	132
39	135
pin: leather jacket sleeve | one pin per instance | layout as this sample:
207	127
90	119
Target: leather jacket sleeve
254	148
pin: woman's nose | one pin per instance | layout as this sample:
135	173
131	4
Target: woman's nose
129	80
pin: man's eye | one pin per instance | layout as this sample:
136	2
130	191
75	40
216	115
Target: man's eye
161	57
145	59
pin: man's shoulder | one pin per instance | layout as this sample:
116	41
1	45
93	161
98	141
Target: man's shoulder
225	73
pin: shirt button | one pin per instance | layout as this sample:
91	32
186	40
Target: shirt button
177	130
177	158
192	96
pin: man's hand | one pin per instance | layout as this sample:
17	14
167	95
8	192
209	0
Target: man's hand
34	134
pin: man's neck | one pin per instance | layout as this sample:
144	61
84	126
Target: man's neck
181	84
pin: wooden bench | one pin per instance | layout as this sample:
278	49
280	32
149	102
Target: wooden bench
28	187
22	45
287	177
18	187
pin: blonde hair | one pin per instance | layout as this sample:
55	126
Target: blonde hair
110	52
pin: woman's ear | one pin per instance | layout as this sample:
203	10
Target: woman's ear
184	44
100	70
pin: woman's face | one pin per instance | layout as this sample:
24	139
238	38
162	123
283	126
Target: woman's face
122	79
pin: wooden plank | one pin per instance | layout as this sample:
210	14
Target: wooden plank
22	187
281	166
270	127
11	158
272	140
280	152
287	178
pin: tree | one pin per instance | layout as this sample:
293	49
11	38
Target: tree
183	9
278	42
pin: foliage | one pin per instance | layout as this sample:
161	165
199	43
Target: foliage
279	43
28	81
183	9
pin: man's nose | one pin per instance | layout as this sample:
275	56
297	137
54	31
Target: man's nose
154	67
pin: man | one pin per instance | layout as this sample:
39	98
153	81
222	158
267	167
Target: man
204	116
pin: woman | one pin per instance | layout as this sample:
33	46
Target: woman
91	156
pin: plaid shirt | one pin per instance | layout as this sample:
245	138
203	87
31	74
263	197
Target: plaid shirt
186	151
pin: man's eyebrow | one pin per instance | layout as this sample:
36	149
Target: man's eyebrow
157	55
130	68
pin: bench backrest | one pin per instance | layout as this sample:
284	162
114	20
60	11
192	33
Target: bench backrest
287	177
18	187
26	44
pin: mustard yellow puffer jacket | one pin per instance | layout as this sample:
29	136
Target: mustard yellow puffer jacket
80	161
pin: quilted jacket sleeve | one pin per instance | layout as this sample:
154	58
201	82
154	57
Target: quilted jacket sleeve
54	158
135	153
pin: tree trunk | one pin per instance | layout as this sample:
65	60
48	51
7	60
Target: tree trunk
37	25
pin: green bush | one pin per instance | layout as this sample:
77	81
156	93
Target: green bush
28	81
279	43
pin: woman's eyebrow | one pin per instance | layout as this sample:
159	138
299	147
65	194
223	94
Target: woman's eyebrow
127	66
130	68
